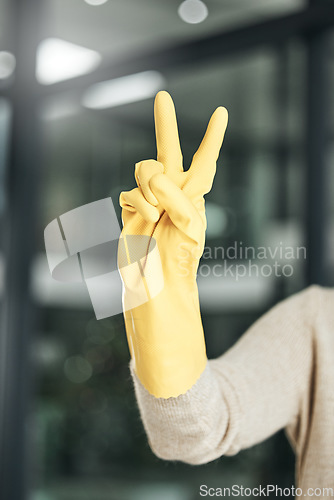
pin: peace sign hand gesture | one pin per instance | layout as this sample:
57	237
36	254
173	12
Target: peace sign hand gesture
165	190
165	334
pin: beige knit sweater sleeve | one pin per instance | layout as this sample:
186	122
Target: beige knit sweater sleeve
245	395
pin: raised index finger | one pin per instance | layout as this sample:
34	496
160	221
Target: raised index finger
166	132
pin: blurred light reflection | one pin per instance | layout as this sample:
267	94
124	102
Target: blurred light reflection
60	60
123	90
7	64
193	11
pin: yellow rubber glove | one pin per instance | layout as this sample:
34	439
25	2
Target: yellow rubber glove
165	333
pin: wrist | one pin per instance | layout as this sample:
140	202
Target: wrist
167	342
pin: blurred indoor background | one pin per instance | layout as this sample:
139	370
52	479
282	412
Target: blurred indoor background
77	83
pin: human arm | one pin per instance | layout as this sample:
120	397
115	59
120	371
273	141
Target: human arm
244	396
194	410
164	330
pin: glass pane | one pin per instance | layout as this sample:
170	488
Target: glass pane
4	24
85	434
89	438
7	59
117	29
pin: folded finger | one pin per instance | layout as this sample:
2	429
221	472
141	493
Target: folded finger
134	201
144	170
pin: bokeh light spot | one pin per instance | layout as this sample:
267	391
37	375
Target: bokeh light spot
77	369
